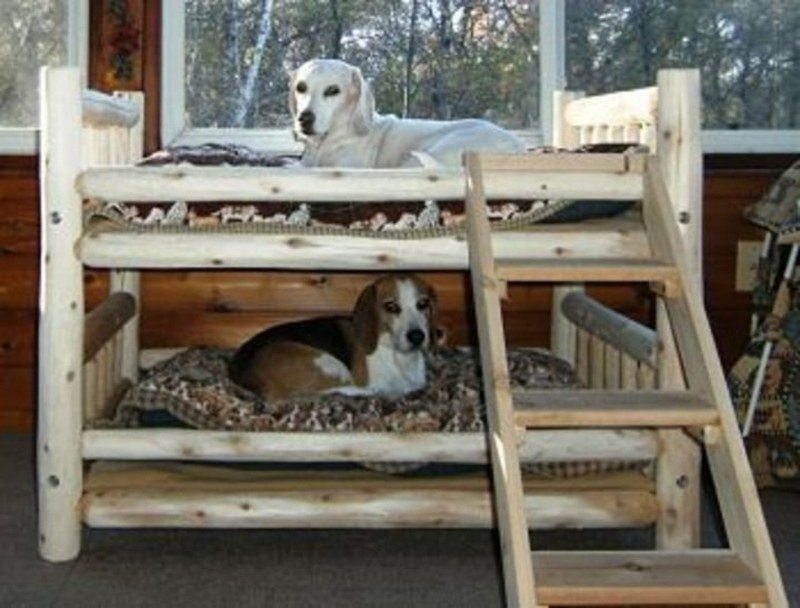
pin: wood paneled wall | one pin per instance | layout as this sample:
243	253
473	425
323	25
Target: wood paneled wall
19	266
224	308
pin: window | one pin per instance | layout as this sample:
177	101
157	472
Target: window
748	52
435	59
34	33
227	63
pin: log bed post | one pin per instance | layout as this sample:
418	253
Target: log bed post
563	334
129	280
61	318
678	147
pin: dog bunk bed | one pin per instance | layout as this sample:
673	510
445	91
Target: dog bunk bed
143	477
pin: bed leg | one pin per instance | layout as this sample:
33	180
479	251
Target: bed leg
61	308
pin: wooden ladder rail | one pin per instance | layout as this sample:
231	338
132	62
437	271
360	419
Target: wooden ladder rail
696	354
738	497
506	472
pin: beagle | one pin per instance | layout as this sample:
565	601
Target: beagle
380	350
333	113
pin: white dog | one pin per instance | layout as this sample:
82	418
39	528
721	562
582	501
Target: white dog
333	112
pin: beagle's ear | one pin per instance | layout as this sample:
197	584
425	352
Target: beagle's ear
292	100
365	319
360	99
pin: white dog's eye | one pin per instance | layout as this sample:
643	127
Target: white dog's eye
331	91
423	304
301	87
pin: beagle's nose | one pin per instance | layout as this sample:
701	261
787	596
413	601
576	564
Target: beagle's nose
415	337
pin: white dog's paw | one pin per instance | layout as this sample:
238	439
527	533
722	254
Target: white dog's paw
422	159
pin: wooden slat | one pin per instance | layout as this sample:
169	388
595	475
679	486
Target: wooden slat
594	408
568	162
618	238
628	445
125	494
641	577
153	184
584	270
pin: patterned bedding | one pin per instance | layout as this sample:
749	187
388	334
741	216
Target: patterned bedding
193	390
422	219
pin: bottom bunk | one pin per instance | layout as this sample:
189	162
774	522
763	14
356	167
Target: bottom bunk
377	462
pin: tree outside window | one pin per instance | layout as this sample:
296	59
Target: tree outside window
426	58
32	33
748	52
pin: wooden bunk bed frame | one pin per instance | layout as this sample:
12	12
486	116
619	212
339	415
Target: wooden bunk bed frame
86	361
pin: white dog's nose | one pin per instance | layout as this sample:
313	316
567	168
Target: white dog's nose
306	120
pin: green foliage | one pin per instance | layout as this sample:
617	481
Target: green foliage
748	52
432	58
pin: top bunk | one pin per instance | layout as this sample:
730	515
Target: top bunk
108	131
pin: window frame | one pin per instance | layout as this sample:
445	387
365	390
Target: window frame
25	140
552	77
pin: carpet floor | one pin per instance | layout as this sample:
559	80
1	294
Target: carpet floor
290	568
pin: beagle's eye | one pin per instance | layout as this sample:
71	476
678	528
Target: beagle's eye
391	307
423	304
331	91
301	87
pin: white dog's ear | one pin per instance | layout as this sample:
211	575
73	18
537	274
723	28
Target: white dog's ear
363	103
292	99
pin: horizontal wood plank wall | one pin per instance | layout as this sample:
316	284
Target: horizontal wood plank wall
19	265
206	308
726	194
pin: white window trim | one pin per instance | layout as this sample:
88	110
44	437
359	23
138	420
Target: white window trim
25	140
552	77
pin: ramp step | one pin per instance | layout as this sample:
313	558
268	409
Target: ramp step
598	408
644	577
568	270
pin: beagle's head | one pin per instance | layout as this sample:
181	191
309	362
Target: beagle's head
398	311
328	95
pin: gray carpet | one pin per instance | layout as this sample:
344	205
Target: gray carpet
279	568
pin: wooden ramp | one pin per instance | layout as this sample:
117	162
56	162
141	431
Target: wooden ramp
746	573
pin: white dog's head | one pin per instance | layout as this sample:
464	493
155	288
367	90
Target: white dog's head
328	95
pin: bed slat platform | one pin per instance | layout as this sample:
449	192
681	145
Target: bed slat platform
654	398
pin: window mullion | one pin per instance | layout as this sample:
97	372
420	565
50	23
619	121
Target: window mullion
173	71
552	62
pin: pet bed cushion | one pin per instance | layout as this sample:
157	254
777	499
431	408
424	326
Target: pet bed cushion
193	389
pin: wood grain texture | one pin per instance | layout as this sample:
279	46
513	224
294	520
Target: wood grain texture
207	295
